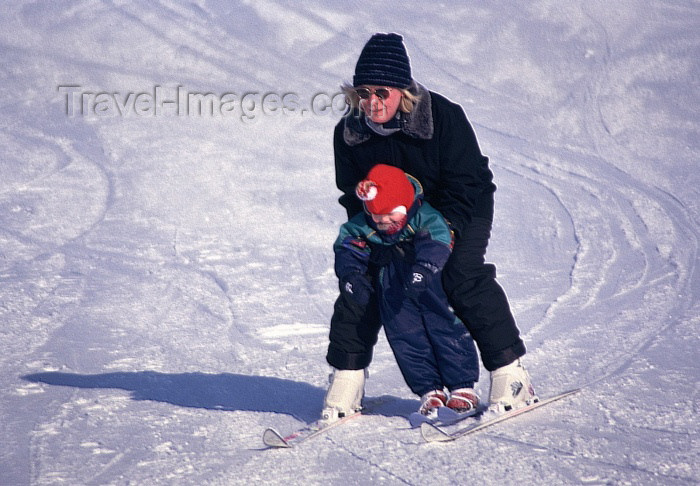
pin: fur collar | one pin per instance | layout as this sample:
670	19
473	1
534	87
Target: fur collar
417	124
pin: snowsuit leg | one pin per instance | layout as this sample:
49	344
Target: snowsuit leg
412	349
432	348
478	300
457	358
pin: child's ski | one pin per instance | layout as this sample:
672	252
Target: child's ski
416	419
443	416
432	433
448	416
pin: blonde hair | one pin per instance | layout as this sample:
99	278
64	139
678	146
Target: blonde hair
408	99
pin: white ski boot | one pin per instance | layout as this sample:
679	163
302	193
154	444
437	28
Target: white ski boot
344	395
511	388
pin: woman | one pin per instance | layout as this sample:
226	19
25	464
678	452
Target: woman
396	121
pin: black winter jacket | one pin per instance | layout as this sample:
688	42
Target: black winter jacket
436	144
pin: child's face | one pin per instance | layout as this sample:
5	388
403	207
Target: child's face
386	221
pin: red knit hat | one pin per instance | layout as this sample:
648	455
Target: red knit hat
385	190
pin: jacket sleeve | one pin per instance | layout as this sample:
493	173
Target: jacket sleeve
464	171
351	249
433	239
346	173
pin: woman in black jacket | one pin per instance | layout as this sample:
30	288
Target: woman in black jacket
396	121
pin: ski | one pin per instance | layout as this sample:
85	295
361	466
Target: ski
416	419
442	417
272	438
449	417
433	433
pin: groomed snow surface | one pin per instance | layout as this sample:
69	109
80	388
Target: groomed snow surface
167	210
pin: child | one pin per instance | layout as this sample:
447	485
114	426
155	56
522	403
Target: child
395	252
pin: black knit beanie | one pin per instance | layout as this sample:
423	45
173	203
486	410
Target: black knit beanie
383	62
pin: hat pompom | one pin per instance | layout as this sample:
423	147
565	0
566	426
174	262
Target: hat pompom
366	190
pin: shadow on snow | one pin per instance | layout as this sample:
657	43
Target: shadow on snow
224	391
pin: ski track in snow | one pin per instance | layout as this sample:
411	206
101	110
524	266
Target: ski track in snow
166	283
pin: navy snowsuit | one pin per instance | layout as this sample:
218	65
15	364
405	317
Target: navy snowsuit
432	347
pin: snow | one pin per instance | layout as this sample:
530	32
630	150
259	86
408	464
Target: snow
166	274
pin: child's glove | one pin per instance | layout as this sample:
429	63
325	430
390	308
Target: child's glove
357	287
418	280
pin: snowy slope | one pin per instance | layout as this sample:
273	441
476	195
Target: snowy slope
165	271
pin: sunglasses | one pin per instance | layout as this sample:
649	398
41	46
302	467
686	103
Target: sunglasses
366	93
